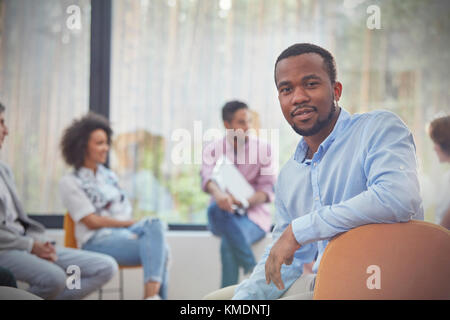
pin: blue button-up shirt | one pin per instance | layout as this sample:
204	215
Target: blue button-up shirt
363	172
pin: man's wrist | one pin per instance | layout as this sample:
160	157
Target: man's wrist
245	204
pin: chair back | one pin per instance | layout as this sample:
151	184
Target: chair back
408	260
69	232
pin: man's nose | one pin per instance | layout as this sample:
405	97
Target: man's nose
300	96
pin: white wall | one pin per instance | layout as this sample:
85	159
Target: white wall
195	268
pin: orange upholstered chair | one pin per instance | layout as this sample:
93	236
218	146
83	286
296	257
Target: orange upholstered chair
69	232
387	261
71	242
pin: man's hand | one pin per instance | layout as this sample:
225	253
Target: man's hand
282	252
44	250
235	201
224	201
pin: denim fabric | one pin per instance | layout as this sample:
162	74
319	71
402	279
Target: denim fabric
48	280
142	243
237	233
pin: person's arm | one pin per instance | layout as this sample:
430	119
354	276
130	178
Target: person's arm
255	287
209	158
44	251
223	199
12	241
81	209
265	182
258	197
446	219
94	221
392	193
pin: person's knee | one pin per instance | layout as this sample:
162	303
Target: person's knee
109	268
154	226
50	284
218	218
214	211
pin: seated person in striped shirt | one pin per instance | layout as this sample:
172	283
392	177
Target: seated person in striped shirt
239	231
347	171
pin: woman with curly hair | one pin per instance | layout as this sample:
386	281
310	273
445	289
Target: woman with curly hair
439	131
102	212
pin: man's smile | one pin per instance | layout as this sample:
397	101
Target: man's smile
303	114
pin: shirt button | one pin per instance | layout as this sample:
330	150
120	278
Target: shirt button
402	167
315	164
317	199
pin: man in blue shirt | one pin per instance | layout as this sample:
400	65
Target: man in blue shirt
347	171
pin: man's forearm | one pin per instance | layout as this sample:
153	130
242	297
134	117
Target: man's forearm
257	198
212	188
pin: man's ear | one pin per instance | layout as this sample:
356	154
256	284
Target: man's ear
227	125
337	89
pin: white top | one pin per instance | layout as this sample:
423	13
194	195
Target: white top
10	208
443	200
84	193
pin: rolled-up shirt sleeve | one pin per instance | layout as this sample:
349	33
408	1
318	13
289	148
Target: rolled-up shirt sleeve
74	199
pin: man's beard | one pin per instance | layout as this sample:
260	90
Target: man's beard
319	125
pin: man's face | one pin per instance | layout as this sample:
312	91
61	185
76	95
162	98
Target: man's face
240	123
3	128
306	93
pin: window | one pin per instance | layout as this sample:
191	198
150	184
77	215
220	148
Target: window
44	84
176	62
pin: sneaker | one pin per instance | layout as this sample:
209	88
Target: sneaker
155	297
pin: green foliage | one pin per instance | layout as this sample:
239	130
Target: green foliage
185	187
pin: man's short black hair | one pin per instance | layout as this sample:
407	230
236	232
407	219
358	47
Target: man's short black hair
302	48
230	108
75	138
2	108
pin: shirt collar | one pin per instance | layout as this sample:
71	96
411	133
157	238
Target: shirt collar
302	147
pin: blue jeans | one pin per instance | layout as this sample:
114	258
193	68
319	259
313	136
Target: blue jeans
48	279
237	233
142	243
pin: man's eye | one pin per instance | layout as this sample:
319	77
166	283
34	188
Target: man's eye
285	90
312	84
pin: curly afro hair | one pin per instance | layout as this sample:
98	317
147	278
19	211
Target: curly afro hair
75	138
